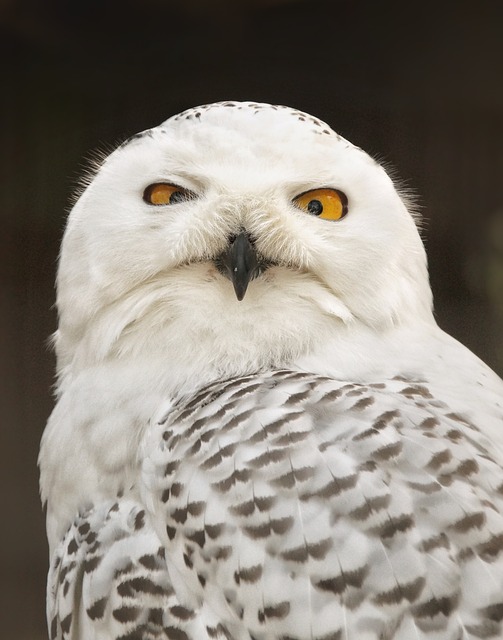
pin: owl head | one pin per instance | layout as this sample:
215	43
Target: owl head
248	231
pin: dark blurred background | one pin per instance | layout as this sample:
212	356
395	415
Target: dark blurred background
419	85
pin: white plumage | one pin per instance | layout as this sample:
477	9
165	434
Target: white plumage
315	460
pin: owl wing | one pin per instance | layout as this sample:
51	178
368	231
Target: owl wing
289	505
310	508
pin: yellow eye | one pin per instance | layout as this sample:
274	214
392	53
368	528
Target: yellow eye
325	203
163	193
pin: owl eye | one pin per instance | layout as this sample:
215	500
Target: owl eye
164	193
328	204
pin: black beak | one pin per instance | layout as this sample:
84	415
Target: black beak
240	263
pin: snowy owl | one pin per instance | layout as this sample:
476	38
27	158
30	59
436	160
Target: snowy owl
260	431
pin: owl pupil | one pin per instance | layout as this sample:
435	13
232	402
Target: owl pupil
176	196
315	207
